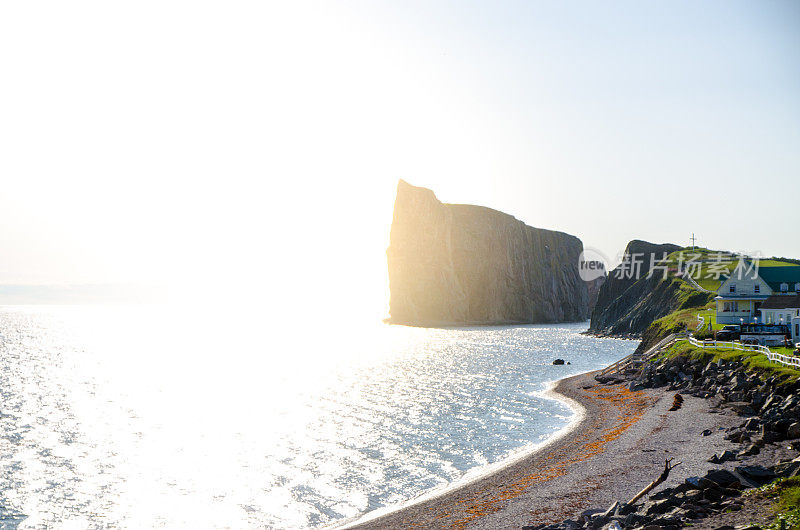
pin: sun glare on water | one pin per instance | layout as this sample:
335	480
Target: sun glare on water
142	417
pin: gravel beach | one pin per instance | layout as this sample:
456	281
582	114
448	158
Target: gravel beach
616	448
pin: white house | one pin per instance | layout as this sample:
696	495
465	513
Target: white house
783	309
741	296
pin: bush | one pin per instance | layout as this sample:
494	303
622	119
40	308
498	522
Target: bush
703	335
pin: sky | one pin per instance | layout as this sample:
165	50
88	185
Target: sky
249	152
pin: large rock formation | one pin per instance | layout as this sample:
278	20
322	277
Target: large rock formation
463	264
628	303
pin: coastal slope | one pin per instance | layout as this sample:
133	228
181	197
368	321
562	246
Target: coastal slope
629	301
465	264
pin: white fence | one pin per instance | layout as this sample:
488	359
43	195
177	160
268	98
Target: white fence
639	358
634	359
794	362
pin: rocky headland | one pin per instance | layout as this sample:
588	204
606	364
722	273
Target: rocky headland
456	264
629	301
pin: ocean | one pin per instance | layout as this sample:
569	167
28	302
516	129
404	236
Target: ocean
136	417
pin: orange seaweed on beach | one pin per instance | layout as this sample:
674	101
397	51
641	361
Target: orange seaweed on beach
629	406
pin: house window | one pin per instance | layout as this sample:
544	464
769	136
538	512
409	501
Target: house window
797	330
757	288
797	287
732	288
732	307
784	287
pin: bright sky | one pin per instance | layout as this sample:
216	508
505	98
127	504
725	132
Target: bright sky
256	146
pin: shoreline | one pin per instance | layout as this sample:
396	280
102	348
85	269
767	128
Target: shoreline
616	445
484	472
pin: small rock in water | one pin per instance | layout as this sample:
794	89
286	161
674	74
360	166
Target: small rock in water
558	361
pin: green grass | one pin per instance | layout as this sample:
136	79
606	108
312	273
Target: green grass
775	263
786	492
752	360
679	320
706	274
709	315
709	284
688	296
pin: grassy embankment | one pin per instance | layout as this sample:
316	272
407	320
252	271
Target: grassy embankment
687	319
752	360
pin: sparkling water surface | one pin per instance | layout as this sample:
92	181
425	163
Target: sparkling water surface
134	417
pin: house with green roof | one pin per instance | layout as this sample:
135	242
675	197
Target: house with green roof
782	280
744	291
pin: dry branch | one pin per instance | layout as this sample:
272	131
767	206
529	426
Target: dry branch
664	475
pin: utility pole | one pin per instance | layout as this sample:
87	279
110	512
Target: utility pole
693	239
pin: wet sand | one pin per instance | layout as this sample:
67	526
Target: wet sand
618	447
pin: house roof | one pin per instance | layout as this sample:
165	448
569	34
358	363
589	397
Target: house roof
782	301
775	276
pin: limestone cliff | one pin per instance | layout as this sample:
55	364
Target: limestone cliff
463	264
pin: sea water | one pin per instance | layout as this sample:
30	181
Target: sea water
132	417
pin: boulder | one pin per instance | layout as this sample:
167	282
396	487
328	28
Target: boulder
635	519
787	469
751	449
790	403
659	506
752	424
772	400
793	431
742	408
723	477
700	483
758	474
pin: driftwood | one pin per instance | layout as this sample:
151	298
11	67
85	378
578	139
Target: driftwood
668	466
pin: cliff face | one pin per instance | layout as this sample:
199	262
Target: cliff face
627	306
594	290
459	264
